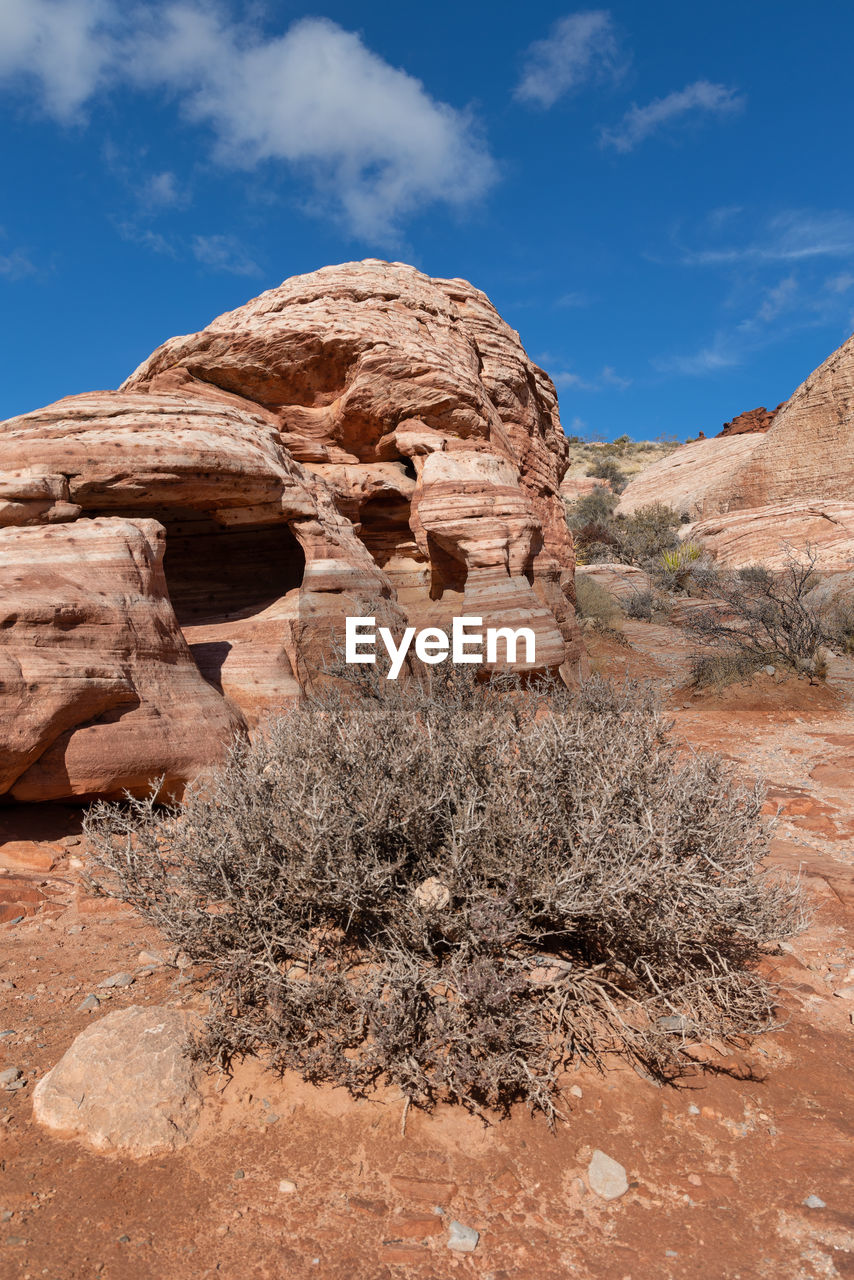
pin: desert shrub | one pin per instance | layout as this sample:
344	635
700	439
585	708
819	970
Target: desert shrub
460	887
640	605
766	616
595	543
647	605
682	556
596	507
647	533
595	602
721	667
609	469
838	617
676	567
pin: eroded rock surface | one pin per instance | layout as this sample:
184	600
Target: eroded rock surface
363	439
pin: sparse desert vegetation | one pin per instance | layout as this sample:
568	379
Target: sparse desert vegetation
523	879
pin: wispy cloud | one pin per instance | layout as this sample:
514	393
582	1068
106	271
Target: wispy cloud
149	239
841	283
611	378
732	346
694	101
162	191
580	49
366	137
568	378
224	253
777	300
573	299
15	265
790	236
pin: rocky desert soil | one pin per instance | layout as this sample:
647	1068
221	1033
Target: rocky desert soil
742	1170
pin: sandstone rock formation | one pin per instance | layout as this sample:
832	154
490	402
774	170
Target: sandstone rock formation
125	1085
690	478
622	580
179	553
755	494
751	421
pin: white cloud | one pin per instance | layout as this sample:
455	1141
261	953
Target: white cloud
149	239
639	123
777	300
371	141
567	378
224	253
579	49
64	48
611	378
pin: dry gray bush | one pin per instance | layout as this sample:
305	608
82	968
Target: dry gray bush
766	616
459	888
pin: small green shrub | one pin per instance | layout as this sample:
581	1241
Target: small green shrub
596	507
609	469
680	557
647	533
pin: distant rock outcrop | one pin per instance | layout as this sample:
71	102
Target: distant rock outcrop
757	494
179	553
752	420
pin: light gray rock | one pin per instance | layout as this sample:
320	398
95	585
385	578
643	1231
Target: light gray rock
118	980
89	1005
606	1176
125	1084
815	1202
461	1238
10	1075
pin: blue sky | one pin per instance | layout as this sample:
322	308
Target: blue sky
658	196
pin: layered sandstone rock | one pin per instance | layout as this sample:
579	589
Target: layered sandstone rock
359	440
98	689
694	479
756	493
770	535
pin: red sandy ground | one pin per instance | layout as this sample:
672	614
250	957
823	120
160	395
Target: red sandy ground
719	1168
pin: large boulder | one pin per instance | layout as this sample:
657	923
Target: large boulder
363	439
